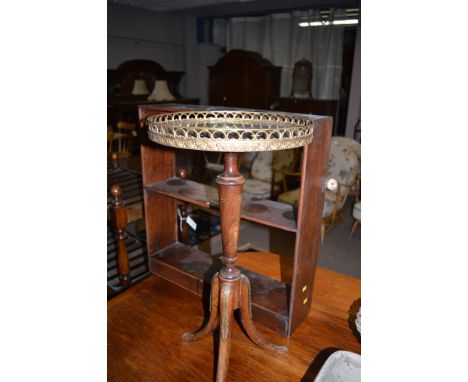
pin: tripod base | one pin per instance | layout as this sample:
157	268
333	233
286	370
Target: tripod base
232	294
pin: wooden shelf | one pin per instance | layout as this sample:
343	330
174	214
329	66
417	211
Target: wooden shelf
193	269
263	211
277	305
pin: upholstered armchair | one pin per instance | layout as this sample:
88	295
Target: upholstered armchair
356	147
356	217
343	166
269	172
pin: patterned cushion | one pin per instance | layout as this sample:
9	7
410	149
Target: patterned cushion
259	188
357	211
266	161
351	143
343	165
247	158
292	197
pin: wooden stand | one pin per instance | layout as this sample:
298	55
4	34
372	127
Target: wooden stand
276	304
234	291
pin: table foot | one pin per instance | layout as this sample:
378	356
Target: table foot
226	312
213	320
246	318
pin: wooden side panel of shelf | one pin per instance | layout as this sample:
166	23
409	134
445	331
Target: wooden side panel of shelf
158	163
309	220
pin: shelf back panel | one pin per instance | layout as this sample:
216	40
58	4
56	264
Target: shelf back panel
263	211
193	269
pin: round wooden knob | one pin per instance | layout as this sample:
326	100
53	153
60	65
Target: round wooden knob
182	173
115	191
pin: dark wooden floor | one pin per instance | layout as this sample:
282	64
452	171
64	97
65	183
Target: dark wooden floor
145	325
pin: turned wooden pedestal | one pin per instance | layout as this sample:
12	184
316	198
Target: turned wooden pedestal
230	290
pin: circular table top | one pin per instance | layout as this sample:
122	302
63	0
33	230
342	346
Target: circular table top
231	130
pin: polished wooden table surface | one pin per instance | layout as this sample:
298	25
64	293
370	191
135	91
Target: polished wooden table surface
145	326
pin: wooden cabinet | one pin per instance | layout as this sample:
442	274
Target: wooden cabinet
122	105
281	306
308	106
244	79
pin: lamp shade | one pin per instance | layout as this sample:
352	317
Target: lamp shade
139	87
161	92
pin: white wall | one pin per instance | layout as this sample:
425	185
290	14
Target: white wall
202	56
134	33
170	40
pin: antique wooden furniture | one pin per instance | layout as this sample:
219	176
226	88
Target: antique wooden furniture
244	79
125	206
143	322
121	81
126	131
130	184
356	217
302	79
119	223
281	306
110	135
122	105
343	167
213	164
356	147
269	172
307	106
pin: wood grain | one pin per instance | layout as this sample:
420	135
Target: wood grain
263	211
309	220
145	325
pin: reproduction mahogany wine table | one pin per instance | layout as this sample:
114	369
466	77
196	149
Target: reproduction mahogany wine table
143	326
231	132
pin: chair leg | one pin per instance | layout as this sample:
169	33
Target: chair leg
340	216
322	233
353	228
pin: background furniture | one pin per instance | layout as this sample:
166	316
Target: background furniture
119	223
302	79
268	173
213	164
308	106
356	217
122	105
244	79
343	166
280	306
121	81
127	258
356	147
126	132
110	135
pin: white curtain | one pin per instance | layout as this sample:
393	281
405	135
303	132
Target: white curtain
280	39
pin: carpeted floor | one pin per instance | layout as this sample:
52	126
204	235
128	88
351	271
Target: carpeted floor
340	253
